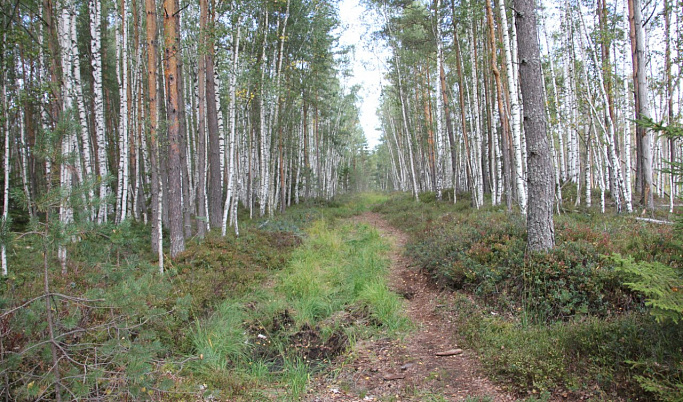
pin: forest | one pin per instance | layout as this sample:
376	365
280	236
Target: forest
191	209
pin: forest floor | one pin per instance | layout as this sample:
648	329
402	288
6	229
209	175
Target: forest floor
410	368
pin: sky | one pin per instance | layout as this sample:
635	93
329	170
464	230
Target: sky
367	62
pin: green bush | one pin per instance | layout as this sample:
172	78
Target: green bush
485	254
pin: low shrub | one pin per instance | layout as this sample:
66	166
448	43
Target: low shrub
571	322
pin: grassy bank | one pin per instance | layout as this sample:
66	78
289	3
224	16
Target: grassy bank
562	323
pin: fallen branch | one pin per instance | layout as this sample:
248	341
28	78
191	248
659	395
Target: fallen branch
655	221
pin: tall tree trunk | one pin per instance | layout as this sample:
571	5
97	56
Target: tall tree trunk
669	99
98	106
439	104
232	172
507	167
409	140
215	185
449	125
426	104
278	102
608	129
184	132
67	168
122	190
80	105
404	114
515	112
201	118
478	184
171	54
540	228
157	205
643	137
265	146
463	117
6	156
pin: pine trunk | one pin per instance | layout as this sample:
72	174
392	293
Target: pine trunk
171	54
540	228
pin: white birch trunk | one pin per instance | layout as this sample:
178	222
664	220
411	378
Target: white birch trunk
405	117
65	210
413	176
23	161
122	192
98	103
6	165
498	159
609	133
233	127
599	163
644	109
439	106
80	103
515	112
589	171
265	149
401	176
300	156
478	170
562	165
221	127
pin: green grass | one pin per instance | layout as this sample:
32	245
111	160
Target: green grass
331	291
294	279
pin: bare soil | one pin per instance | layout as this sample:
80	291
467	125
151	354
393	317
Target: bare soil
407	369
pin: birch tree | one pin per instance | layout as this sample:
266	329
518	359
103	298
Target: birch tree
6	162
515	112
156	188
95	7
641	93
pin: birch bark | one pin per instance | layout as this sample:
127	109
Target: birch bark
515	112
233	128
157	205
439	104
6	165
122	191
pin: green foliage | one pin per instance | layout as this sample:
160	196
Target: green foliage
589	357
661	284
121	310
486	255
562	322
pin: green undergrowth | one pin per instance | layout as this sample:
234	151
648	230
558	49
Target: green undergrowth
570	322
125	331
332	292
123	328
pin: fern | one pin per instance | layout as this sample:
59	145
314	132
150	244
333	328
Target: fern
661	284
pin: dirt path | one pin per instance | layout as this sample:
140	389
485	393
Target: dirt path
408	369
